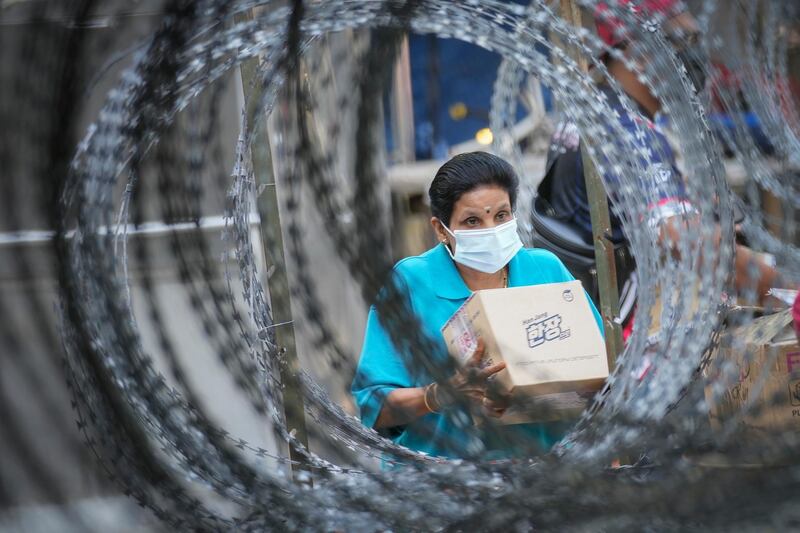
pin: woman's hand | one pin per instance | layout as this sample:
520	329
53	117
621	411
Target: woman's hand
473	382
495	402
404	405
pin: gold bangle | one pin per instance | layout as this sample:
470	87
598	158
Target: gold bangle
436	395
425	398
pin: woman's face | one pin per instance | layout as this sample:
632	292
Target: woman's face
484	207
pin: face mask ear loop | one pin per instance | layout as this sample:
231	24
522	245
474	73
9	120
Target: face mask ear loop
445	244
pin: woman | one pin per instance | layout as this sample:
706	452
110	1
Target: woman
472	202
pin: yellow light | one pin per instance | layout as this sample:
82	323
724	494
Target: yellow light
458	111
484	136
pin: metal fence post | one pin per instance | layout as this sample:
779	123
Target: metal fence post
601	223
275	276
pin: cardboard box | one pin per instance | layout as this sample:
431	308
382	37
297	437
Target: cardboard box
761	384
549	340
681	304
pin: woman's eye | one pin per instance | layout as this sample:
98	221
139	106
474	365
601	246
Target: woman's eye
502	215
472	221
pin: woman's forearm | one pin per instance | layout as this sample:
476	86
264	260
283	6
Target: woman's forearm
401	407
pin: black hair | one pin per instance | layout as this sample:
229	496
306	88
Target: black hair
465	172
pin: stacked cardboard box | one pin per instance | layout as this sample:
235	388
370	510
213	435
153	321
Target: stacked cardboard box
761	387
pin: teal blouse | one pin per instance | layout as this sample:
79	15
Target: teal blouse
436	290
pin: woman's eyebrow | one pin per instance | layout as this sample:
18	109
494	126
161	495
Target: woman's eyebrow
476	211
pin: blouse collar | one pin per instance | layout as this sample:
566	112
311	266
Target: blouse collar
449	284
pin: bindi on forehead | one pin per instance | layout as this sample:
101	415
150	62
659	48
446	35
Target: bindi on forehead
482	202
486	208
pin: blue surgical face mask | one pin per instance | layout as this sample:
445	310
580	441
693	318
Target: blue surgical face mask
487	250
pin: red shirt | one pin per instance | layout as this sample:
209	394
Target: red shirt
796	315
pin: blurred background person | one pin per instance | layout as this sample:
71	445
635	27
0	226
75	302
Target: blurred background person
563	189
